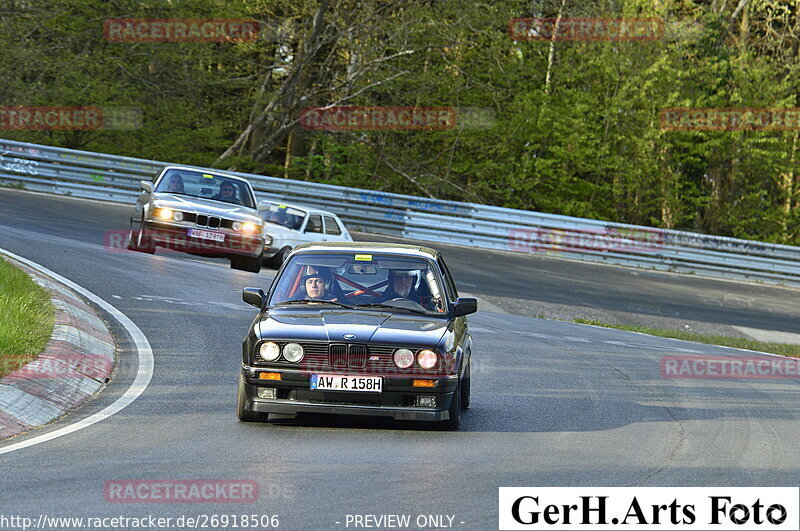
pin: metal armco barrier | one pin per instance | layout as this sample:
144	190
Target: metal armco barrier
114	178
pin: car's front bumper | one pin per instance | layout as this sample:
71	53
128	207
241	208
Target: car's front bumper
176	238
396	401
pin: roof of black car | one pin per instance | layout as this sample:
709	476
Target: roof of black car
376	247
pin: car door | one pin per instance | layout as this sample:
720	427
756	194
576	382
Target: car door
314	230
332	230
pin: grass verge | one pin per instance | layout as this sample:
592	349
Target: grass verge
26	318
735	342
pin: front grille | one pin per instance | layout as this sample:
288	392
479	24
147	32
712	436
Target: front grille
337	355
212	222
341	355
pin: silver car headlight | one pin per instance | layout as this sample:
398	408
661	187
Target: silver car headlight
293	352
269	351
403	358
177	216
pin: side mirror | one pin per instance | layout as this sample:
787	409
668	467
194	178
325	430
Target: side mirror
253	296
147	186
465	306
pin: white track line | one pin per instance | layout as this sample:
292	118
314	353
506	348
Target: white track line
143	374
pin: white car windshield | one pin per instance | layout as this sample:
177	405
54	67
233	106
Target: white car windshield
286	216
361	280
206	186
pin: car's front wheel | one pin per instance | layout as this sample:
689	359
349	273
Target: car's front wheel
139	241
454	422
280	257
246	263
241	401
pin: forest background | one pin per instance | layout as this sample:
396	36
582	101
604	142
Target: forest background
566	127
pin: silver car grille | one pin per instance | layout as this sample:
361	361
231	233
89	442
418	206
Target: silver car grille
211	222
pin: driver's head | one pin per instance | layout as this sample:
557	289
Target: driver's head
226	190
315	281
403	281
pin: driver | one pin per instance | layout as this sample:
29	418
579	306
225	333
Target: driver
226	192
402	285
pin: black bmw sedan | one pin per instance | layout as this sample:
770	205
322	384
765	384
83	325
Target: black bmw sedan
358	329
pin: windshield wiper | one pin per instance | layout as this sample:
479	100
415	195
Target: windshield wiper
382	305
322	301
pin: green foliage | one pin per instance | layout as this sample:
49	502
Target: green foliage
566	127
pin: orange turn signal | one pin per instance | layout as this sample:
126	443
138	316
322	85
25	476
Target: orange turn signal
269	376
424	383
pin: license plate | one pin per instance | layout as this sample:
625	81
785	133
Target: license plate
337	382
207	235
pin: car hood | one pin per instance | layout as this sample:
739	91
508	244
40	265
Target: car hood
207	206
368	327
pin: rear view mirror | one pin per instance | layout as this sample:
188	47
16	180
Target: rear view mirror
465	306
362	269
253	296
146	186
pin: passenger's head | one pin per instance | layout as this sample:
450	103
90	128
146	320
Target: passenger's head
315	282
175	184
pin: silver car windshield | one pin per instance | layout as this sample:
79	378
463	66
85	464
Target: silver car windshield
386	282
206	186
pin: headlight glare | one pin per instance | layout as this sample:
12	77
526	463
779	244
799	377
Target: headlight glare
269	351
403	358
249	228
163	213
427	359
293	352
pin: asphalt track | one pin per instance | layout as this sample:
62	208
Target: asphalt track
554	404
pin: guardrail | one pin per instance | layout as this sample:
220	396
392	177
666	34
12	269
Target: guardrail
114	178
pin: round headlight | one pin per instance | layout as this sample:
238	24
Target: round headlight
248	227
403	358
293	352
163	213
237	225
177	216
269	351
426	359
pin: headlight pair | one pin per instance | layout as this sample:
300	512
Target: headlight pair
166	214
246	227
404	358
271	351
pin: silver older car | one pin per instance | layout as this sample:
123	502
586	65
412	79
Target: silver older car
288	225
199	212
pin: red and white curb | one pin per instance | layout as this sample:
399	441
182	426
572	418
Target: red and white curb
76	363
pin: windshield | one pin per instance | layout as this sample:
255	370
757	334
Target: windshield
291	218
206	186
361	280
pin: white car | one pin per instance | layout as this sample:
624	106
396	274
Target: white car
290	225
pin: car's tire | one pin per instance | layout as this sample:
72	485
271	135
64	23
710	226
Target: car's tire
139	241
280	257
241	399
246	263
465	388
454	422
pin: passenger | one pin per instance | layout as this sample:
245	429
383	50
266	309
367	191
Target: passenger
319	284
226	192
175	185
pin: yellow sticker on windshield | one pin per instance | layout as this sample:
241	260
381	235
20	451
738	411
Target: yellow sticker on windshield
364	258
207	176
281	206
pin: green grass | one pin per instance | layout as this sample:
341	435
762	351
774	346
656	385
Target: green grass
736	342
26	318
